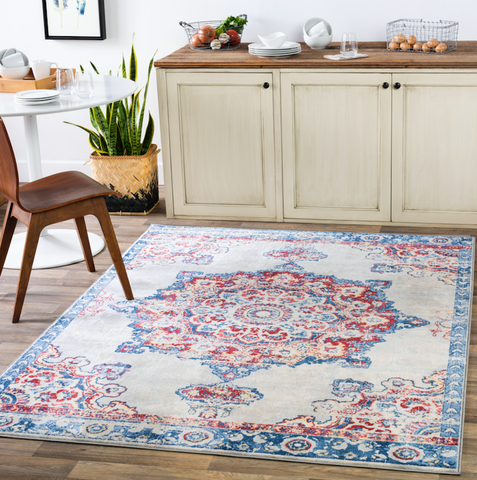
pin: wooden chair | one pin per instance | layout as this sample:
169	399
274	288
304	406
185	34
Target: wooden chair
52	199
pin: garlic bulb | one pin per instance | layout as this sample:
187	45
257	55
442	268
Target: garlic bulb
215	44
223	38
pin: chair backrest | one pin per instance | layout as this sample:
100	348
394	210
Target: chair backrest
9	183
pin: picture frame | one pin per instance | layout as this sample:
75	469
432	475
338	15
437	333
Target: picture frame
74	19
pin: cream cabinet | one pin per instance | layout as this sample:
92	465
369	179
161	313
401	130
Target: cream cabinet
221	150
314	145
336	132
434	155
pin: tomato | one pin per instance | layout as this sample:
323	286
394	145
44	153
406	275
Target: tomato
234	37
206	33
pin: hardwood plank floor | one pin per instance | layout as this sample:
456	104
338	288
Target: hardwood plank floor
51	291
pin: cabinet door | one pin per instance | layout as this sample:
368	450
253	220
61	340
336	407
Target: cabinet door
336	130
222	155
435	148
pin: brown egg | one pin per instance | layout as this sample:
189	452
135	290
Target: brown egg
433	43
441	48
393	46
399	38
426	48
417	46
411	39
405	46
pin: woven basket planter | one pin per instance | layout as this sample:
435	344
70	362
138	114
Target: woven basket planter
135	178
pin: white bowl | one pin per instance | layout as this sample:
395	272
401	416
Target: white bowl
315	21
274	40
317	42
14	73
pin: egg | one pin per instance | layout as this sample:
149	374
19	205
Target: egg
393	45
441	48
405	46
206	33
411	39
399	38
426	48
433	43
417	46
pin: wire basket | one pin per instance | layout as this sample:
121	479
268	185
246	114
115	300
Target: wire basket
201	39
407	35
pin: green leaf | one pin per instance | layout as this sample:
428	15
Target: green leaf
103	126
113	129
146	144
94	68
132	120
141	116
124	128
96	146
81	68
133	64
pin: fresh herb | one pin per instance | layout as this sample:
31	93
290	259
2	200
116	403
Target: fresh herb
232	23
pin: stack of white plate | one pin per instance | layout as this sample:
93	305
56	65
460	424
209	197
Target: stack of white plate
287	49
36	97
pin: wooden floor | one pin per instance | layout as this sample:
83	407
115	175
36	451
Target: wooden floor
52	291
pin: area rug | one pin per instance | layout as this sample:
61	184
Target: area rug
334	348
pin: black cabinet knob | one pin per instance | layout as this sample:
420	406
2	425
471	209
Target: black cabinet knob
397	85
385	85
266	85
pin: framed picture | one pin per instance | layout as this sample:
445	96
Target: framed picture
74	19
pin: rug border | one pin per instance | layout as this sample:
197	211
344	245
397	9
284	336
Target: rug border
109	275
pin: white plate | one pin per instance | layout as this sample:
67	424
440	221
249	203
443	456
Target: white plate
286	45
284	54
36	95
261	52
33	102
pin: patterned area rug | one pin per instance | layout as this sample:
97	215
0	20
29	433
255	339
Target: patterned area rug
337	348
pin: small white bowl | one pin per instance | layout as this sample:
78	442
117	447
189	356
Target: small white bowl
310	23
14	73
274	40
317	42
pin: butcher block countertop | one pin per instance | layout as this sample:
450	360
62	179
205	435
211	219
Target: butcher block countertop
378	57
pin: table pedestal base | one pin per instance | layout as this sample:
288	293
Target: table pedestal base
58	248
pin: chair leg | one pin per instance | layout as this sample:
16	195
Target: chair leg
101	212
8	229
85	246
31	242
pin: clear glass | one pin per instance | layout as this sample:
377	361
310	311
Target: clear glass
65	83
84	84
349	44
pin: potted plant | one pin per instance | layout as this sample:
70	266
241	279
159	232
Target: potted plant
124	159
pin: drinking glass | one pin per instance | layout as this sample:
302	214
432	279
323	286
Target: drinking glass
65	83
349	44
84	84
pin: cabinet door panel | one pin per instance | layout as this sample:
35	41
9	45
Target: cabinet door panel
435	148
222	144
336	146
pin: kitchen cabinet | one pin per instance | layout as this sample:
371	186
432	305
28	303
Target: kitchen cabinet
222	137
336	134
389	139
434	157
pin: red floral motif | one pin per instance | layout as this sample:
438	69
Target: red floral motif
246	321
402	410
64	387
415	260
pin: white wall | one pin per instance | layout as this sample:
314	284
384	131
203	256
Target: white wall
155	24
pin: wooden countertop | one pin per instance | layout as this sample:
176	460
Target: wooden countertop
378	57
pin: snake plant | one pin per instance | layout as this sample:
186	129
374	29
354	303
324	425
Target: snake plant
118	129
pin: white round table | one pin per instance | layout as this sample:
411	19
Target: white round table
58	247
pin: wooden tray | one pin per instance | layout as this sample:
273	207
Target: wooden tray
28	83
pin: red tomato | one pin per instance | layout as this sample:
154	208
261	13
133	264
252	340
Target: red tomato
206	33
234	37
